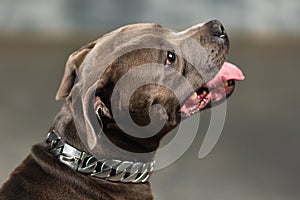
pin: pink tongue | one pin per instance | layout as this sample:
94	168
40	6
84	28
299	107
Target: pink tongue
227	72
231	72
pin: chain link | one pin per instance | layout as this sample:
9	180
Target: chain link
111	170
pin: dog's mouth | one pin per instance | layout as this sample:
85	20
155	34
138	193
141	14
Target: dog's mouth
213	92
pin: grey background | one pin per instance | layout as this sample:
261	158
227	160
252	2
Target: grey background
257	156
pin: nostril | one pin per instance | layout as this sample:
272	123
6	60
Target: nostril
219	30
223	32
216	28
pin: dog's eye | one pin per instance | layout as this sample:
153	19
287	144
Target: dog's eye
171	57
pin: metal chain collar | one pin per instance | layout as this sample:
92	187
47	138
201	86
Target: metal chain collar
111	170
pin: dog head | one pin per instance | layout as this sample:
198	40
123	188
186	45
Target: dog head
142	80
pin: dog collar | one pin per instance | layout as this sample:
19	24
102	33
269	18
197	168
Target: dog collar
111	170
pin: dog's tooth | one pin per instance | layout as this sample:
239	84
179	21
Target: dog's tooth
204	92
226	84
194	96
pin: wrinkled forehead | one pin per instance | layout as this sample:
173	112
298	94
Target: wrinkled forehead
141	36
134	36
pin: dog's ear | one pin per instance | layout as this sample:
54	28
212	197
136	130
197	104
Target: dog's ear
71	70
101	109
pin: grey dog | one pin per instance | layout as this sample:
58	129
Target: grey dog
83	156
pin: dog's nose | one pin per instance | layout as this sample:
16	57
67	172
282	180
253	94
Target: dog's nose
216	29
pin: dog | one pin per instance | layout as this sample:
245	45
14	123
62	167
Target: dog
123	93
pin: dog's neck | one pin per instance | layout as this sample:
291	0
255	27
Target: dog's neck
108	169
65	144
65	127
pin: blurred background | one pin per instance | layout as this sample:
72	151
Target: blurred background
258	154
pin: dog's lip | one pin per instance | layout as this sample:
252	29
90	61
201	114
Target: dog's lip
213	92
